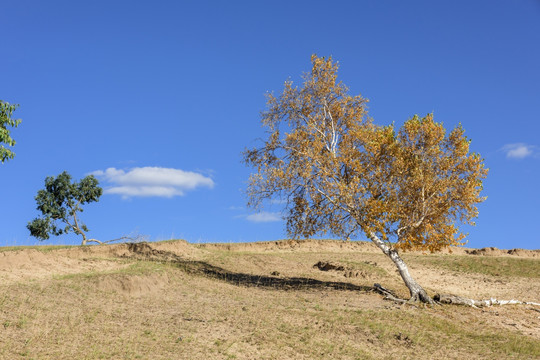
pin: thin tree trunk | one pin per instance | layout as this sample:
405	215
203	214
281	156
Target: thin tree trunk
417	292
85	241
76	227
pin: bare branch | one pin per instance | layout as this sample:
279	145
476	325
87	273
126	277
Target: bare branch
137	238
458	300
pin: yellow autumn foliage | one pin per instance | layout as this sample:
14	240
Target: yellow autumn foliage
342	174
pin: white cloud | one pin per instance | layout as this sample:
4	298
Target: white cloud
151	181
147	191
519	150
236	208
264	216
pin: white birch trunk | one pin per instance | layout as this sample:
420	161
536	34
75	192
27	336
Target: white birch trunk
417	292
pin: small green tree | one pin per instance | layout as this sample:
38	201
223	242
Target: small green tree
60	201
6	120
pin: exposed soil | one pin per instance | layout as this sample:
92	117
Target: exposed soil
493	251
360	246
24	264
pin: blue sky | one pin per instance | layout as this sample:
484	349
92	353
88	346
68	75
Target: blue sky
160	98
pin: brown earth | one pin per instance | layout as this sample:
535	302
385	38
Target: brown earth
362	246
282	299
32	263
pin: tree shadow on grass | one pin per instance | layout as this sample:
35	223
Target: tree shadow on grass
144	251
274	282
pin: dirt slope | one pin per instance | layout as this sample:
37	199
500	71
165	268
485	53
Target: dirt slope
269	300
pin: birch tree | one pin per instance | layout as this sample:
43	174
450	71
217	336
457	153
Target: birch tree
339	173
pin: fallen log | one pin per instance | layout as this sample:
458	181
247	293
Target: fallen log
458	300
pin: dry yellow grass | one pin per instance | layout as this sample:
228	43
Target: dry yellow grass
174	300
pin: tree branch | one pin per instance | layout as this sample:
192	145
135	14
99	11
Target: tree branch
458	300
134	239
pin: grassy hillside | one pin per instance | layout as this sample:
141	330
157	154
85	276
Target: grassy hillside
173	300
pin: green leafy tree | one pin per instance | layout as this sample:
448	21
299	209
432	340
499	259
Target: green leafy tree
6	120
60	202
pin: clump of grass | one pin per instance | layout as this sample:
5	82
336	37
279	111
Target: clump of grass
368	267
41	248
145	268
492	266
424	329
134	267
